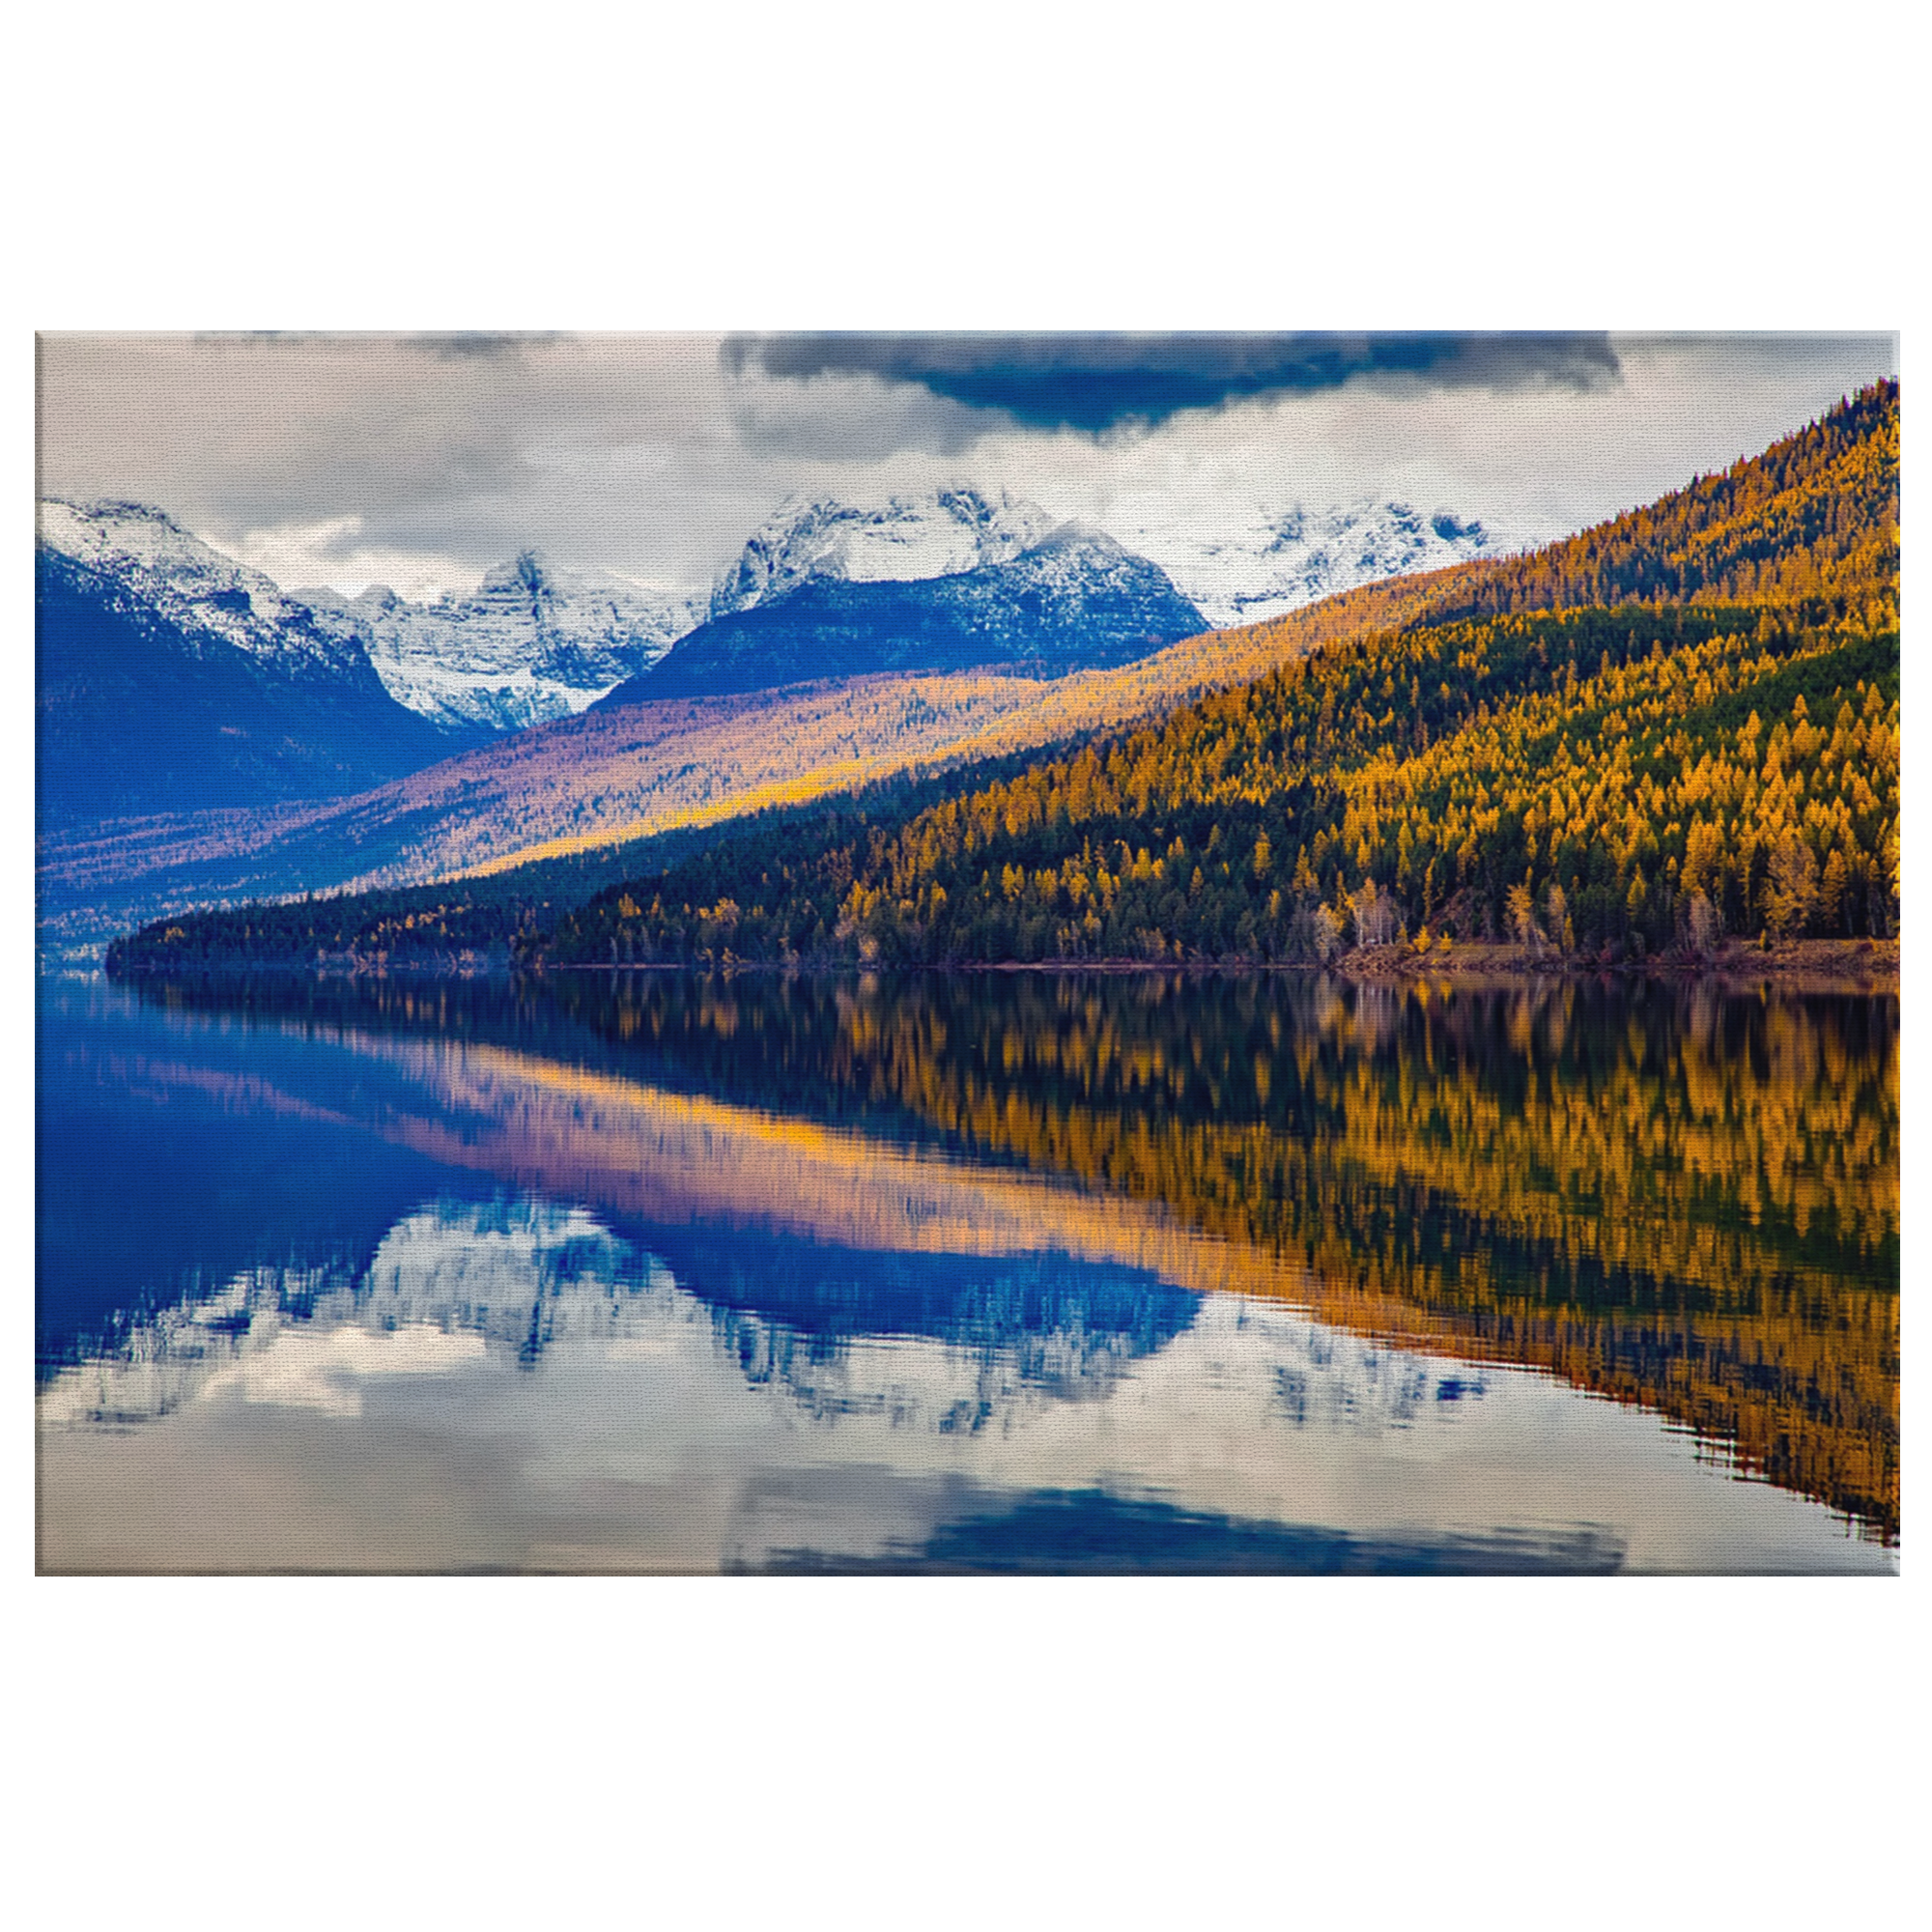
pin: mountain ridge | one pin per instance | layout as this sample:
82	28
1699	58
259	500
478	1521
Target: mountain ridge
167	677
1285	560
530	644
1075	600
906	539
142	561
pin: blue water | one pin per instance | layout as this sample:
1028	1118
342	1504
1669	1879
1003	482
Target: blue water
491	1283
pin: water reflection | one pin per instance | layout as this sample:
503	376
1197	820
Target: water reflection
690	1276
1687	1201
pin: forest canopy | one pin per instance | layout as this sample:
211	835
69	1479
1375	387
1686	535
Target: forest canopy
1681	724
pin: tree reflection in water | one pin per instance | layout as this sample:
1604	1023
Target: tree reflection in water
1686	1201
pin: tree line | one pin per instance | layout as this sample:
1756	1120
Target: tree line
1678	725
1629	776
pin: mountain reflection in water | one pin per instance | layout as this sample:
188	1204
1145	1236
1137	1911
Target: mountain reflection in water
990	1273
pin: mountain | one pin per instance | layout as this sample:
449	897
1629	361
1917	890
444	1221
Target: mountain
531	643
144	561
1286	559
1679	724
168	678
1444	686
585	785
905	540
578	789
1073	600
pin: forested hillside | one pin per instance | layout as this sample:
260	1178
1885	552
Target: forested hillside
507	915
1716	751
1679	724
1816	509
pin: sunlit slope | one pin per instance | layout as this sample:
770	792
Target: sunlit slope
1712	745
635	770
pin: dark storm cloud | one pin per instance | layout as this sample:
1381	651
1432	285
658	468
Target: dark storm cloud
365	457
1095	382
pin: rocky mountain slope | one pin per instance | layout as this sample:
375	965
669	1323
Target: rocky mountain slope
144	562
529	644
1281	560
168	678
1072	600
907	539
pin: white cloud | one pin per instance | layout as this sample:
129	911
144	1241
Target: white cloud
331	554
351	459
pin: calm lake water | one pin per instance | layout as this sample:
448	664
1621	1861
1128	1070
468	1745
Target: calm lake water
989	1273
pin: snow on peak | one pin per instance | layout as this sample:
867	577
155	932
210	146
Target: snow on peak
531	643
1269	562
150	559
1279	561
906	539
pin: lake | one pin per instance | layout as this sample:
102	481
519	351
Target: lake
1002	1272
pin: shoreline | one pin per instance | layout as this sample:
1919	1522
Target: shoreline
1794	965
1863	966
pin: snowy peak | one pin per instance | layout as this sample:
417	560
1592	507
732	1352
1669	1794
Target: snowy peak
1283	559
142	557
1271	562
1074	599
1075	555
905	540
531	643
169	678
957	576
1386	539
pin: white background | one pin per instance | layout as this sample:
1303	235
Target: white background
430	1752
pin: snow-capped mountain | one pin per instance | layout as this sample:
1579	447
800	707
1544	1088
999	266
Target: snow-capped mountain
1280	561
531	643
140	558
957	579
1268	563
1072	600
167	677
905	540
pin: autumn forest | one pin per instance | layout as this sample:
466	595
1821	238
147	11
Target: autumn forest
1679	726
1714	750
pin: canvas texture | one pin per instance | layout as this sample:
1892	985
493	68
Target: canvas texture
968	954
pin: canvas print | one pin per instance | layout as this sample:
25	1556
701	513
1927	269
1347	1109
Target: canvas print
989	954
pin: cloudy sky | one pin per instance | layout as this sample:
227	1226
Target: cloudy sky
422	461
